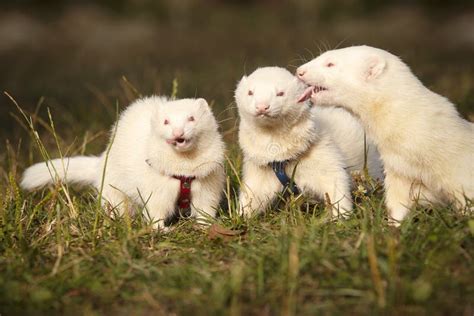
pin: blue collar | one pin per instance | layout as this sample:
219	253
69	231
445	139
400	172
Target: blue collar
288	184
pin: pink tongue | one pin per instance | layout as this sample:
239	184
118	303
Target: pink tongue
306	94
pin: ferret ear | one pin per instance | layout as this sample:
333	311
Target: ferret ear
375	66
240	85
202	103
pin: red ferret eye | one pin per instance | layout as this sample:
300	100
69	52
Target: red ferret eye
280	94
191	119
329	65
250	92
166	122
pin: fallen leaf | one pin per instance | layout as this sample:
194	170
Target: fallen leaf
218	232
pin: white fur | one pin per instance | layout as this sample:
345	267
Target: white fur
77	170
348	134
427	149
288	131
144	155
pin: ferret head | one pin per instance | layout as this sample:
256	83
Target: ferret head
268	95
181	123
348	77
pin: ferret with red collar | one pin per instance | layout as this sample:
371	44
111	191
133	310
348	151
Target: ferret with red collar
164	155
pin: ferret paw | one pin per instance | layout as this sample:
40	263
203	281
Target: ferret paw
245	212
396	216
393	222
203	222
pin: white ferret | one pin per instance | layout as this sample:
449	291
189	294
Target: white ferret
274	127
158	146
427	149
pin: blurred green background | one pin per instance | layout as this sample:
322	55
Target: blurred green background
71	56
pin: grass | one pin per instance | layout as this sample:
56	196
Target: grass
60	253
286	262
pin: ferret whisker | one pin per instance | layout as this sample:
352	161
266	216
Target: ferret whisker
310	52
225	120
318	47
340	43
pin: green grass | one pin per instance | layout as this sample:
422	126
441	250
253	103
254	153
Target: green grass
288	262
60	253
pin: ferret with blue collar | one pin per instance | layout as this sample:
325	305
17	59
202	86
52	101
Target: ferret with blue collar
280	138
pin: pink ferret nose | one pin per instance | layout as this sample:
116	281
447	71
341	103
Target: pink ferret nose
262	107
178	132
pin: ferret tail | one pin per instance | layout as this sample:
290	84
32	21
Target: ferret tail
80	170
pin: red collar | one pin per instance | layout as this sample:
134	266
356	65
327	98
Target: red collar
184	198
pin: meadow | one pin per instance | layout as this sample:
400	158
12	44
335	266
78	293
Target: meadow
71	69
